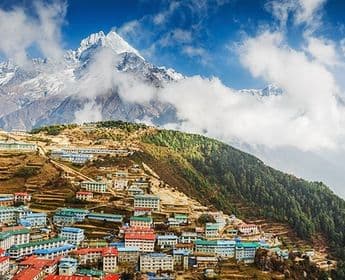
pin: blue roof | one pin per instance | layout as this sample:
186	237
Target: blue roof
117	244
72	229
34	215
54	250
128	249
181	252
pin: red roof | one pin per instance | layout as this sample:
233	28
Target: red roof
38	263
65	277
12	228
140	235
103	251
2	259
21	194
112	277
110	251
2	251
27	274
85	193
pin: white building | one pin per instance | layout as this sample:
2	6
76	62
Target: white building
211	230
139	238
140	221
4	266
73	235
84	195
34	220
27	249
155	262
120	183
14	236
188	237
110	259
94	186
248	229
167	241
147	201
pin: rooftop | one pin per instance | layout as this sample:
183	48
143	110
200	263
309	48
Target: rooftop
72	229
141	218
37	243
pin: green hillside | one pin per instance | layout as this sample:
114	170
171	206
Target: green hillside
221	175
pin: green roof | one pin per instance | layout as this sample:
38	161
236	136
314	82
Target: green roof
247	244
141	218
90	272
146	196
73	210
205	242
37	243
212	226
6	234
180	216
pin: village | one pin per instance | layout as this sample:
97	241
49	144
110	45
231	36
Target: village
121	220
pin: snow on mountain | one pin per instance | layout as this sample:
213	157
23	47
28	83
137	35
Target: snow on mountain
47	92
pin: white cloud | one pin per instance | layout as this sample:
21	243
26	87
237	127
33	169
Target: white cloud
302	11
19	31
323	51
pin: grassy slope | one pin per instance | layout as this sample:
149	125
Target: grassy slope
221	175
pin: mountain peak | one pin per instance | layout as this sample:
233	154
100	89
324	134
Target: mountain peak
112	40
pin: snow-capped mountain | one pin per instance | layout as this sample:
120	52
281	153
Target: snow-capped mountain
47	92
50	91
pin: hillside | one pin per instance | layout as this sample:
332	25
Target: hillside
208	171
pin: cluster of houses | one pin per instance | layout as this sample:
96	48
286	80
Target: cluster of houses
82	155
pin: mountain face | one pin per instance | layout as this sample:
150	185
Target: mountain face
57	91
49	91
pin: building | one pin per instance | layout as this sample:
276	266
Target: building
128	255
68	266
181	258
188	237
140	221
147	201
132	190
120	183
23	197
52	253
182	219
211	230
106	217
155	262
6	200
142	211
48	266
141	238
27	249
17	146
13	236
218	248
4	266
97	151
34	220
248	229
167	241
75	158
69	216
65	277
245	251
73	235
94	186
84	195
29	273
110	255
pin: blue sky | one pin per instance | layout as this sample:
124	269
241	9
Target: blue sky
215	27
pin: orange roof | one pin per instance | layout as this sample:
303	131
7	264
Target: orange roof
65	277
21	193
2	259
112	277
38	263
83	192
140	235
27	274
12	228
103	251
110	251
